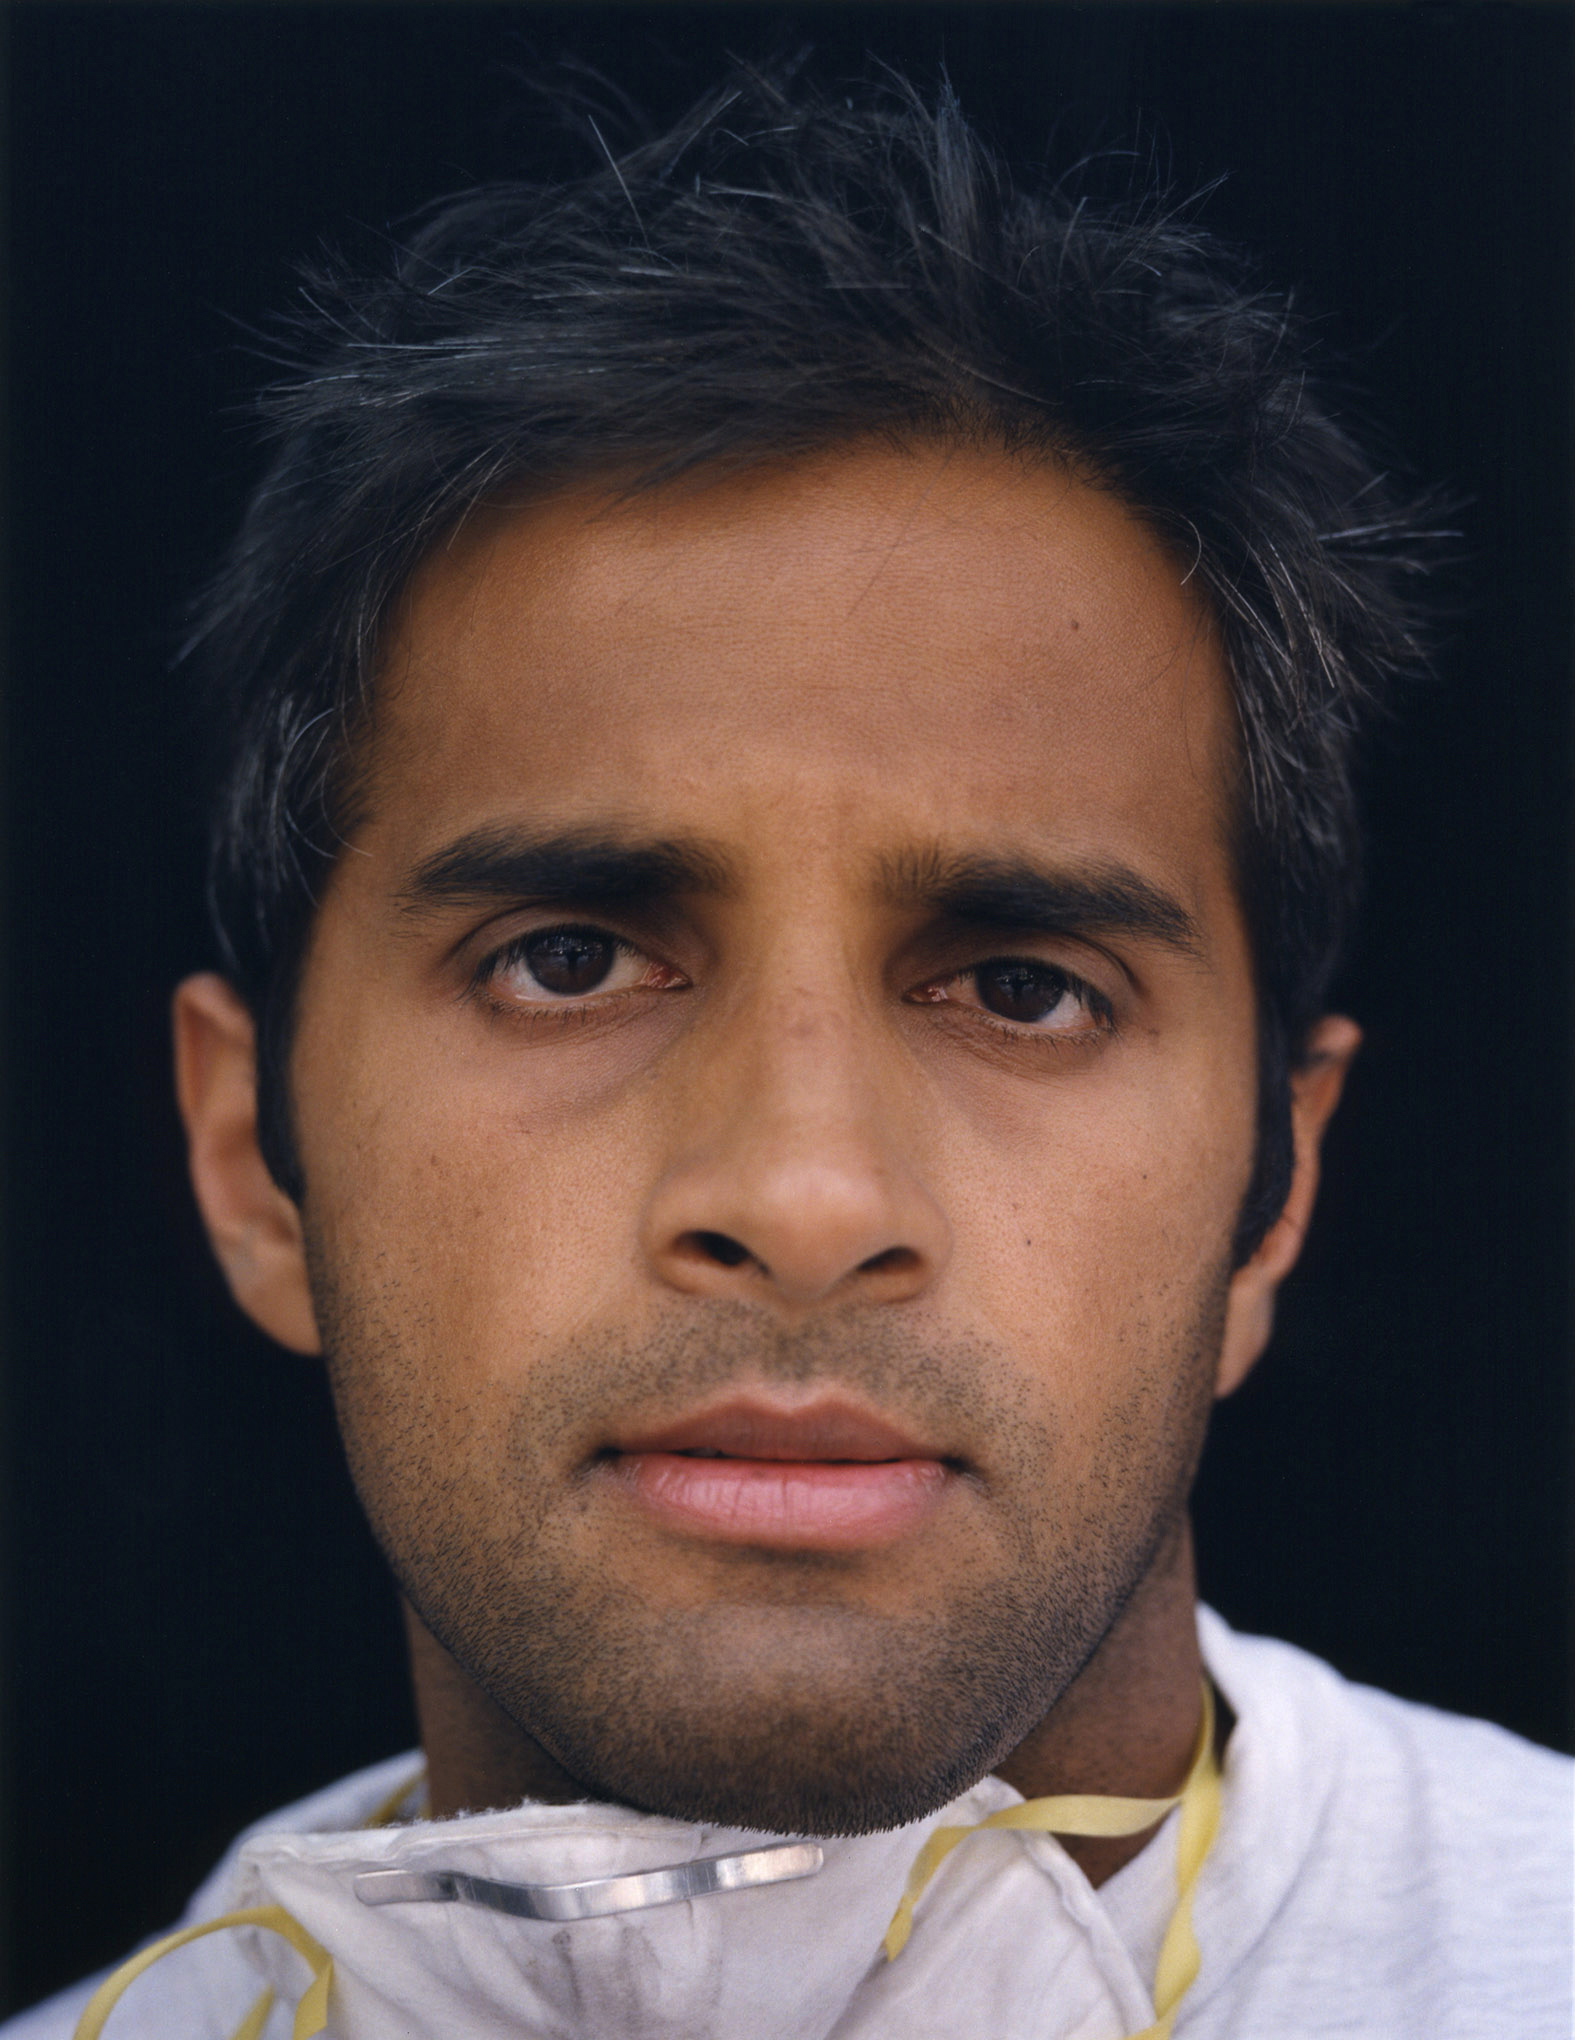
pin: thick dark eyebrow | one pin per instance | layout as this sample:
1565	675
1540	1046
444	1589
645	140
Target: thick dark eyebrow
1020	893
590	868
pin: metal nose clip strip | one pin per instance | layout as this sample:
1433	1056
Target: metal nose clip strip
777	1864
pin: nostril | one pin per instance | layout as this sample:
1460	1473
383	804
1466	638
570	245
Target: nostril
894	1261
718	1247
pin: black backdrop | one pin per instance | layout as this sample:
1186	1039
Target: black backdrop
196	1626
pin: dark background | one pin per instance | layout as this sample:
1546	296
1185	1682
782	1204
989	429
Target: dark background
195	1624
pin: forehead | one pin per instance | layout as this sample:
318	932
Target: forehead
942	643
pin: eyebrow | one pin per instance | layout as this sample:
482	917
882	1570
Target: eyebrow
600	868
1024	894
590	867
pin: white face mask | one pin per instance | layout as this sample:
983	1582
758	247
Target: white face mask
799	1958
598	1923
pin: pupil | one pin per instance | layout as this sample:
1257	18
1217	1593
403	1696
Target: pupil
1019	991
570	960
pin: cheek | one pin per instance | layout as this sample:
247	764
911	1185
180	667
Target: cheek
1097	1215
504	1215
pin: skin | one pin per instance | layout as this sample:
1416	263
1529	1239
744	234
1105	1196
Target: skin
788	1150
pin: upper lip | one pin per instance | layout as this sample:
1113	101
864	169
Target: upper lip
750	1428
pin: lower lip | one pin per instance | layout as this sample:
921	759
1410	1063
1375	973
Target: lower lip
814	1505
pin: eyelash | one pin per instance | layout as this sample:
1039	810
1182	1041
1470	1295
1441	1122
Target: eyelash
568	1007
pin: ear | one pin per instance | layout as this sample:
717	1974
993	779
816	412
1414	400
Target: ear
255	1229
1316	1084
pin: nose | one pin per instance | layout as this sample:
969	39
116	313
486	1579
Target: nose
794	1179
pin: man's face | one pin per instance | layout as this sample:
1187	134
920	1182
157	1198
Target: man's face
775	1082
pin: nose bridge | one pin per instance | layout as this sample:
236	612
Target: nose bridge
808	1060
794	1173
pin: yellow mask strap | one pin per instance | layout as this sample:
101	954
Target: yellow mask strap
311	2014
1095	1814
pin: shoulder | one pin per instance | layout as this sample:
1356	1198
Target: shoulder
204	1991
1398	1868
1383	1756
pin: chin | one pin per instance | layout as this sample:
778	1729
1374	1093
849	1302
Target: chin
822	1776
791	1726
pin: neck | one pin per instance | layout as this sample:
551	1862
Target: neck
1126	1725
477	1756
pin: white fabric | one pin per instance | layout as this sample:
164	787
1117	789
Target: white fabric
1382	1871
796	1961
1141	1898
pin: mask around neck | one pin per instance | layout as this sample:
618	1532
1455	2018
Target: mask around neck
791	1960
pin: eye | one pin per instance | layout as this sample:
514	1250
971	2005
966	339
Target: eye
1028	993
551	966
568	961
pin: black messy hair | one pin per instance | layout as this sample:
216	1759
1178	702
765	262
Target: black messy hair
784	271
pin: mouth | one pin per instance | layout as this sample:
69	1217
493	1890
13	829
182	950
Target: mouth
823	1477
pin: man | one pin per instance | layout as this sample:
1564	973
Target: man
786	827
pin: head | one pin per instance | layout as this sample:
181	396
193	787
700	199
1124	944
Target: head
786	824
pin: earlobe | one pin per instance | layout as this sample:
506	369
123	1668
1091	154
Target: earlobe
1316	1084
254	1227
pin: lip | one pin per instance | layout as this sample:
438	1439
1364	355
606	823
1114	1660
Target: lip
747	1428
824	1477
